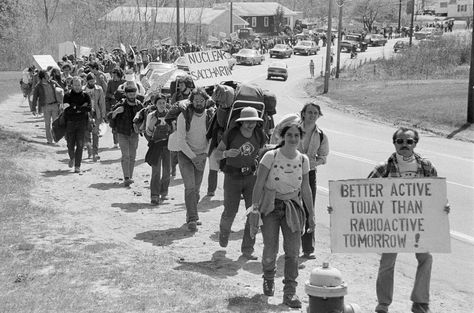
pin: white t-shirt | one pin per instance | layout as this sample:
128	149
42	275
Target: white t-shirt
285	174
407	167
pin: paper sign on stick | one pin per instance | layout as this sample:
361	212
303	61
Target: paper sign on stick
389	215
208	67
44	60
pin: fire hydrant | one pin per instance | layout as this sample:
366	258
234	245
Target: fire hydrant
326	290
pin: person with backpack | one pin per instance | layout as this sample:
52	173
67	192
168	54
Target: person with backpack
191	126
281	188
157	132
238	151
315	145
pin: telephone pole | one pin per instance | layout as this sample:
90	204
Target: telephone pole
411	21
327	72
340	3
177	22
470	93
399	14
231	14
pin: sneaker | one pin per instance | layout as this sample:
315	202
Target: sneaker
292	301
381	308
308	256
198	223
155	202
268	287
192	226
164	198
420	308
77	169
127	182
71	163
223	240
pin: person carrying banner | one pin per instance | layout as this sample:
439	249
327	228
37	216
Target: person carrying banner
281	188
405	163
240	148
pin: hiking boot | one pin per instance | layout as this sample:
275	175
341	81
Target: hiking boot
155	202
420	308
95	157
192	226
381	308
77	169
71	163
223	240
164	197
268	287
127	182
292	301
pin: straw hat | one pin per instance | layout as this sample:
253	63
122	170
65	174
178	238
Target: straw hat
249	114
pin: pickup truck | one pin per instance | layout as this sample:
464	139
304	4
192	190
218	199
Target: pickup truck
351	40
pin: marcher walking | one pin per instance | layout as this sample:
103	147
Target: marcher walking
405	163
96	116
77	105
282	186
240	148
122	117
311	68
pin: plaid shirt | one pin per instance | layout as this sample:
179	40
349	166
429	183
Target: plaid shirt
390	168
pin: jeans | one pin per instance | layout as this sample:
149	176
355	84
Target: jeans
234	186
213	170
174	161
128	147
51	112
272	222
192	179
307	239
95	138
115	137
159	183
421	288
75	140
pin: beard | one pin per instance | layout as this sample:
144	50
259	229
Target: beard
131	100
199	110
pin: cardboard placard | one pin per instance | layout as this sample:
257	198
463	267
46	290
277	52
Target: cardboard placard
45	60
389	215
208	67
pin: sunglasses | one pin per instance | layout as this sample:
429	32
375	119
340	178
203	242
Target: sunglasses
400	141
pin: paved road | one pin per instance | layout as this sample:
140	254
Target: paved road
357	145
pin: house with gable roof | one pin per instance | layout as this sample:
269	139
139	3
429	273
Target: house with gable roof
261	15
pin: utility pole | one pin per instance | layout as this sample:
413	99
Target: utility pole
399	14
328	49
340	3
412	16
177	22
231	14
470	93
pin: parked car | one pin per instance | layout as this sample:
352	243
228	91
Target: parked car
428	32
306	47
277	69
400	46
249	56
181	64
157	67
375	40
281	51
353	40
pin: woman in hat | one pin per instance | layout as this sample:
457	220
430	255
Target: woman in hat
281	187
240	148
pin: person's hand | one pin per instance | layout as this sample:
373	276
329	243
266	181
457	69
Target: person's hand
447	208
231	153
117	111
199	161
66	105
311	225
330	209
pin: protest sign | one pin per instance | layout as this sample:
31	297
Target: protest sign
222	35
208	67
234	36
122	47
157	80
389	215
45	60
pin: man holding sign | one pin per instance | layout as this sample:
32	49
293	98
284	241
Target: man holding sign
405	163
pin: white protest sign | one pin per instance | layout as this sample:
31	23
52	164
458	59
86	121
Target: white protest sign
222	34
208	67
389	215
158	80
43	61
234	36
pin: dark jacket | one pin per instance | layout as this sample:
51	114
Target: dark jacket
184	107
39	94
123	122
77	111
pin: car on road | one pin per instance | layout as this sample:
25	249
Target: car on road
375	40
428	32
353	40
248	56
306	47
400	45
277	69
156	67
181	64
281	51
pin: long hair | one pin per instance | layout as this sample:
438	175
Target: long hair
285	129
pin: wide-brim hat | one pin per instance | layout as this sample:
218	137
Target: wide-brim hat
249	114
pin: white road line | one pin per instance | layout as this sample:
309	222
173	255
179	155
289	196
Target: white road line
456	235
344	155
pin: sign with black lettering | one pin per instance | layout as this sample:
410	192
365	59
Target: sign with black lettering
389	215
208	68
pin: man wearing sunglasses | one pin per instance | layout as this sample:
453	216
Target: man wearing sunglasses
405	163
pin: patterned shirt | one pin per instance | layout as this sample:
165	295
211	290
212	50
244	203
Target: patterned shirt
391	169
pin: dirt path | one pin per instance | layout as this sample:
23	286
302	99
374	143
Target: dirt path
100	210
